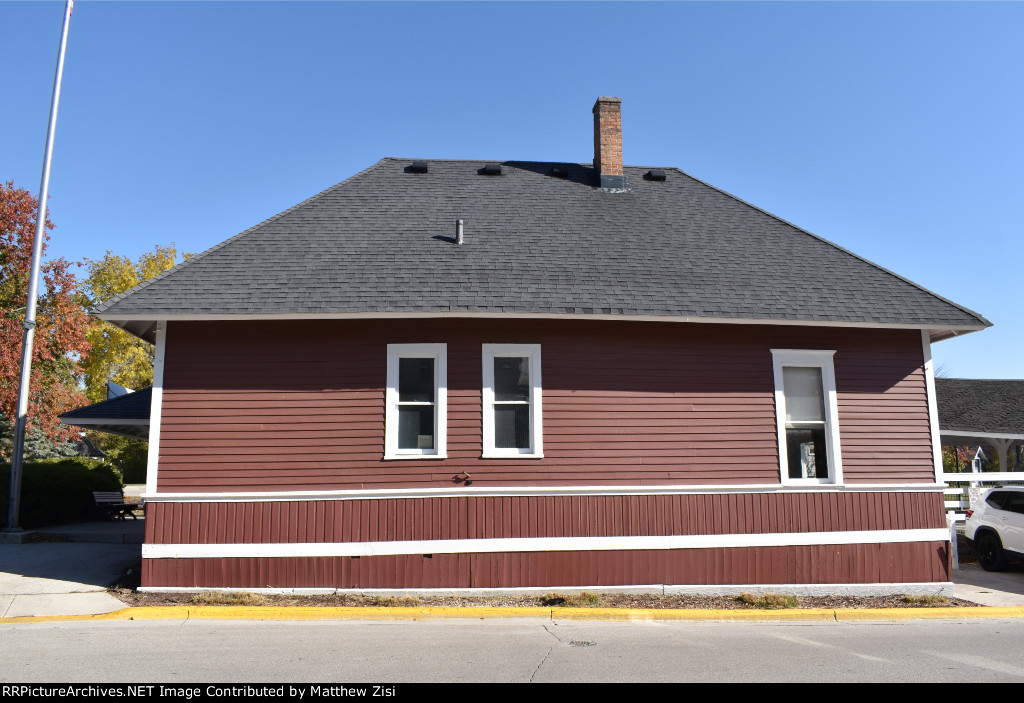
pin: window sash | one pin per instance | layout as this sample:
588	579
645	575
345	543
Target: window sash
400	416
816	440
504	423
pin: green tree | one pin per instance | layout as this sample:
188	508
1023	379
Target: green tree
62	327
116	355
956	459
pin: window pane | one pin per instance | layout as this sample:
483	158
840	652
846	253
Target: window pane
416	427
511	378
416	380
1014	503
805	400
995	499
512	426
805	447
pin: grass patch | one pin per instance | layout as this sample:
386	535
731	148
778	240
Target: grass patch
391	601
925	600
574	600
768	601
227	598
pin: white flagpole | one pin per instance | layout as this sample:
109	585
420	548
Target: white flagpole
21	416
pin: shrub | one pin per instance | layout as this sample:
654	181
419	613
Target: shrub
56	491
127	454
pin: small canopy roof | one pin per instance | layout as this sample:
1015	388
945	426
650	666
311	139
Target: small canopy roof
981	411
126	415
981	407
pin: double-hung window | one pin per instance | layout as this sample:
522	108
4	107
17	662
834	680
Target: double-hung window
512	401
807	416
416	401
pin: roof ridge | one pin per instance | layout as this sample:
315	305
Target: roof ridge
881	268
105	305
516	161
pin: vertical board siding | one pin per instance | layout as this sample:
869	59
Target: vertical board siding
537	516
923	562
293	405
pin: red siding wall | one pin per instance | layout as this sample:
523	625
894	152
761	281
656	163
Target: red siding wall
921	562
537	516
296	405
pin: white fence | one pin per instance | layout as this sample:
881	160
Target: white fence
957	495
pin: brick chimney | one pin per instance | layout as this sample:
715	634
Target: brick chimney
608	143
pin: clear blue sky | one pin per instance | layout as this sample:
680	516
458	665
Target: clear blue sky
892	129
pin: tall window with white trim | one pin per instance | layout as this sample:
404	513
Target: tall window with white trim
512	401
416	401
806	416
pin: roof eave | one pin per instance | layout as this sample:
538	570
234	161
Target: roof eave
144	325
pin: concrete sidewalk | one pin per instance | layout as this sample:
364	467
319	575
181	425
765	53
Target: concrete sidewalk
66	569
1004	588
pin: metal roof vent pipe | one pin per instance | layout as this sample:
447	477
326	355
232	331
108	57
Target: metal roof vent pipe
458	231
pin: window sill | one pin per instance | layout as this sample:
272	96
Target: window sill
798	483
491	455
413	457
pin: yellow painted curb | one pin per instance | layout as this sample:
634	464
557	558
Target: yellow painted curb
689	615
228	612
927	613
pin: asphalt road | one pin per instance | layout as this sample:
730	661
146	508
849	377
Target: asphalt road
520	650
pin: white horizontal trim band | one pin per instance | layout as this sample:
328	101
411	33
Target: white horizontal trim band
944	588
129	317
984	476
536	544
508	491
986	435
103	421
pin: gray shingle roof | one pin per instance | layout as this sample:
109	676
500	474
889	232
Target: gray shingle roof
381	241
130	406
980	405
126	414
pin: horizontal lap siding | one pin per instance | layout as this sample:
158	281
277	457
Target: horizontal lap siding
537	516
280	406
921	562
883	413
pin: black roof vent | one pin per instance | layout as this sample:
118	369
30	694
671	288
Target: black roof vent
560	171
655	174
417	167
491	170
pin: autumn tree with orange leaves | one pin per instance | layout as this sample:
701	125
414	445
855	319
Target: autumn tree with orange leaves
61	326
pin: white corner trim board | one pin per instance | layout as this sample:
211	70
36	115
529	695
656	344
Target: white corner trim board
933	404
536	544
156	401
522	491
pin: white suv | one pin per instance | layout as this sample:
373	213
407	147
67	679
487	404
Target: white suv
996	526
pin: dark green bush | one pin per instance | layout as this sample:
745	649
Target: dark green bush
129	455
56	491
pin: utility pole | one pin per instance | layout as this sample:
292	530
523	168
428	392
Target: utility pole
21	415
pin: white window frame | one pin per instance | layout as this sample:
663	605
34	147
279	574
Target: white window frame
439	353
532	352
821	359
